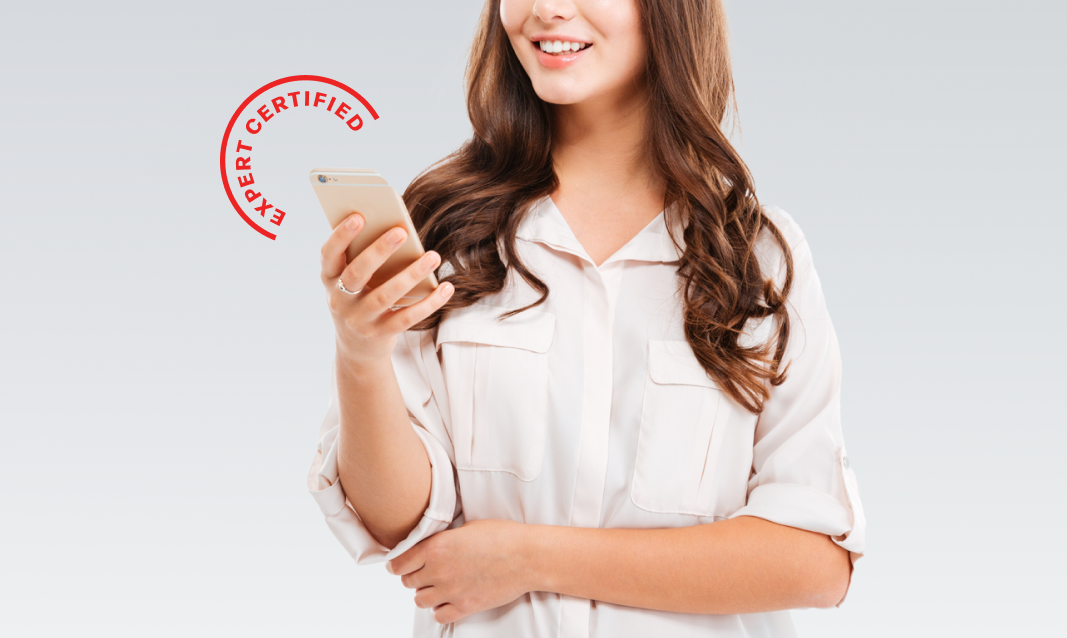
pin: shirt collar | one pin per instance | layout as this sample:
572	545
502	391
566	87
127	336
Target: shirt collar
545	224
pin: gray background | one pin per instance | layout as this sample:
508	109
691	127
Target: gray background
163	367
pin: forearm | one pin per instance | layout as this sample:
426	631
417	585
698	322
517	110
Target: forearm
383	466
735	566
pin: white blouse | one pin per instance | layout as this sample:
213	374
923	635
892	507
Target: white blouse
591	410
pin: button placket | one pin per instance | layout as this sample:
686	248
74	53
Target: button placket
597	331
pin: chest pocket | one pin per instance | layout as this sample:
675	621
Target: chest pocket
685	421
496	372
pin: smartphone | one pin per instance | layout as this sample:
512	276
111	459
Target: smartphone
343	191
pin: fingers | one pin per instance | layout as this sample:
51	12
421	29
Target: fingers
333	251
406	317
447	613
358	273
399	284
415	579
406	563
429	597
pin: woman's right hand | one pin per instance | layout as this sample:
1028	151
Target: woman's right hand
365	324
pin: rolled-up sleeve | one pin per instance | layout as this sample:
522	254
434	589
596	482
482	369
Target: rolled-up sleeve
413	375
802	476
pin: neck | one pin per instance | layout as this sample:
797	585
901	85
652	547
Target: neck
599	146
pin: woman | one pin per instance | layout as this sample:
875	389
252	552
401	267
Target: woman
618	414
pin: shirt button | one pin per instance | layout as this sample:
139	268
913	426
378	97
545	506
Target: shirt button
845	461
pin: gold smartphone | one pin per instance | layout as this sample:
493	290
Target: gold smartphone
343	191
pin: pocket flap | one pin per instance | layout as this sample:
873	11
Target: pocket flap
674	362
530	329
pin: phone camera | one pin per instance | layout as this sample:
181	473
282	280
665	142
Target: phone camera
322	178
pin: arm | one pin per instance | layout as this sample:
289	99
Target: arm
736	566
381	473
383	466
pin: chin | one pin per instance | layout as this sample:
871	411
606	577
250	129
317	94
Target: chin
555	94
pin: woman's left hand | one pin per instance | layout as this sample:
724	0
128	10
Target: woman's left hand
477	566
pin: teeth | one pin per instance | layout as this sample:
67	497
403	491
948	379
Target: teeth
559	46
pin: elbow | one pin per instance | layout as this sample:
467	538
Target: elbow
832	578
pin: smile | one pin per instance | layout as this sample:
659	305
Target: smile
560	46
559	54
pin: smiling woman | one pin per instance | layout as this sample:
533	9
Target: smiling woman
626	419
613	29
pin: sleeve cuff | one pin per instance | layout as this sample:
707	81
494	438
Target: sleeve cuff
325	487
803	507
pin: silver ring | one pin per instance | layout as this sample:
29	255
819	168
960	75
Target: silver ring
341	287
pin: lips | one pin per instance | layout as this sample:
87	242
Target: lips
558	60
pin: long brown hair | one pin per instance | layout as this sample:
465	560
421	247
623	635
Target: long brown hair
472	201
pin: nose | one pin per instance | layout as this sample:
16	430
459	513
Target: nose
550	10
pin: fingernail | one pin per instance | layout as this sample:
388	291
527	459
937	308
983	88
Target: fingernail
429	260
389	566
353	222
447	289
396	235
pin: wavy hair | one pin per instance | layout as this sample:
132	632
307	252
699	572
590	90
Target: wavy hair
469	205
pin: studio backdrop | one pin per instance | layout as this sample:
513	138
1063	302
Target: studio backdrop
164	363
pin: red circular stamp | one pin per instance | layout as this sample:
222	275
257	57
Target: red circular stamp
271	101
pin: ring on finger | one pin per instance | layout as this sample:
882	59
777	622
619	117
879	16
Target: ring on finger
341	287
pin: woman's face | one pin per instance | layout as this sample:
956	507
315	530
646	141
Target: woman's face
610	65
